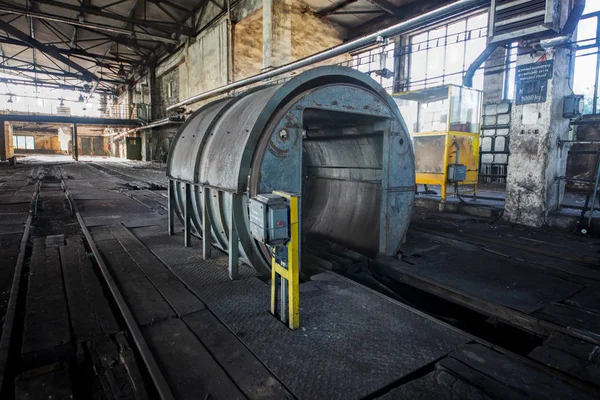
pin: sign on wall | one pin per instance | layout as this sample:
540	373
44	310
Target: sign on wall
532	82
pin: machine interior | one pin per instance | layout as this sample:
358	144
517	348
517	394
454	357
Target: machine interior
342	171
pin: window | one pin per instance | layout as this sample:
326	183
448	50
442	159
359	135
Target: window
587	61
442	54
23	142
378	63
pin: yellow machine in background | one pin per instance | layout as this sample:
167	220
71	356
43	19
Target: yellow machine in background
444	123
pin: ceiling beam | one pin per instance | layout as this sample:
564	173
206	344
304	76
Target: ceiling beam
51	85
158	25
78	52
333	8
386	6
403	13
51	51
82	23
64	74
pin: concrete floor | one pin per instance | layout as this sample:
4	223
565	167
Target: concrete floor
470	309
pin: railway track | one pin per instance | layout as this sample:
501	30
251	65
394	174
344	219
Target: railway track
62	336
152	377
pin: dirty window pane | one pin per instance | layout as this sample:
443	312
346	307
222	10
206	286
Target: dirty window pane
585	78
442	54
29	142
591	6
586	31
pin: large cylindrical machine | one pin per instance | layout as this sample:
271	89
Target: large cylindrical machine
331	134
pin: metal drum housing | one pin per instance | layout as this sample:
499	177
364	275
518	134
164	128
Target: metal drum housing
331	134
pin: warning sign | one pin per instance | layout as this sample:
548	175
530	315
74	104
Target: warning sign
532	82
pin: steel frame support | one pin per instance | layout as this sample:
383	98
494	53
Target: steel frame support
74	22
75	146
158	25
206	229
171	207
51	51
187	213
233	238
49	84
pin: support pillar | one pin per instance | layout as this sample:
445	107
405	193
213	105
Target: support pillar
171	206
277	33
6	145
75	146
187	226
537	159
233	238
206	229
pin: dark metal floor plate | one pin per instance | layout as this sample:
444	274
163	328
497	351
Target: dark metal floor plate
351	344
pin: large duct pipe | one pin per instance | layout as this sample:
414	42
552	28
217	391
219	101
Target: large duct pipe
331	134
565	37
434	16
568	29
485	54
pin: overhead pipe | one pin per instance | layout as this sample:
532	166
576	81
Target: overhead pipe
565	37
160	122
568	29
436	15
485	54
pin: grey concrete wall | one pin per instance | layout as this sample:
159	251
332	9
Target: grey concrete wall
536	159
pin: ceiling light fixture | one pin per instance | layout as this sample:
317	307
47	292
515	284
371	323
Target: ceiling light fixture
10	100
80	99
122	71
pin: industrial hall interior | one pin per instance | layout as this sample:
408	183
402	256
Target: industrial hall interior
299	199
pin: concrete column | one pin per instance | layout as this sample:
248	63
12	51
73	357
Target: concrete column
75	144
277	33
536	157
3	143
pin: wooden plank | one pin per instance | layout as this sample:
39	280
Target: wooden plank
561	360
576	347
51	382
114	376
129	242
189	368
577	319
146	303
438	385
171	287
588	298
489	385
250	375
513	374
88	307
46	326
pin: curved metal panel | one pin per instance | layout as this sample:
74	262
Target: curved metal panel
331	133
188	142
224	149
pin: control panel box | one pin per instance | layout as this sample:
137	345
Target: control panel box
457	172
269	219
